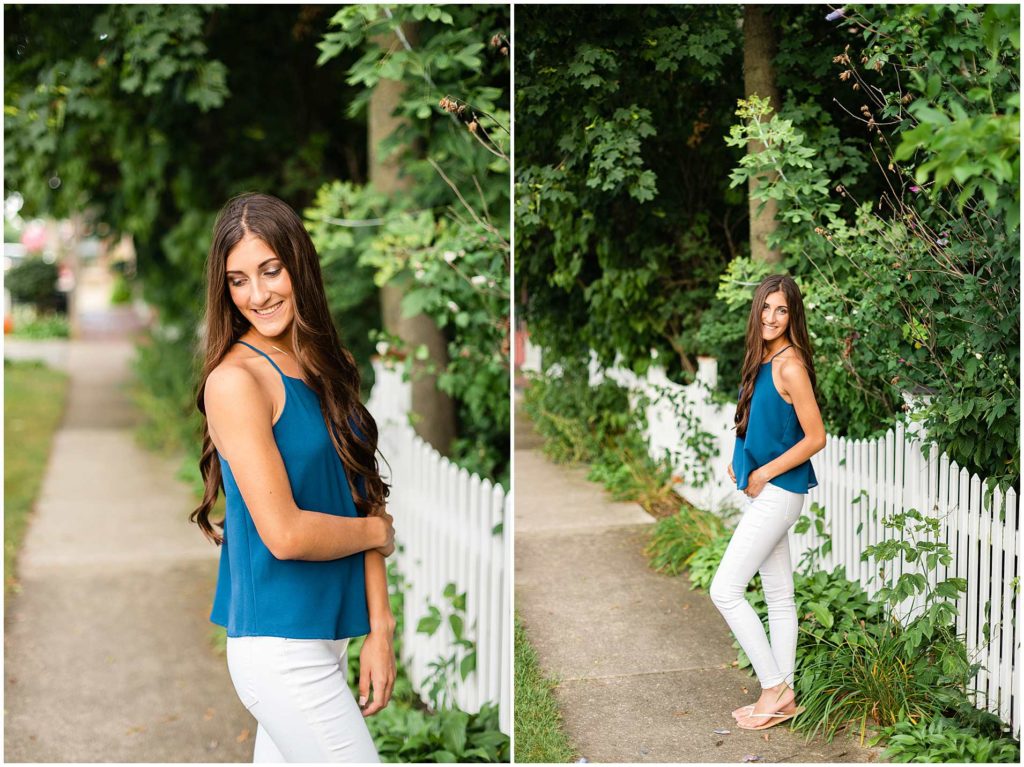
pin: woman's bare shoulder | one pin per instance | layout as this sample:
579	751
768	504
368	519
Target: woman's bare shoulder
232	382
793	368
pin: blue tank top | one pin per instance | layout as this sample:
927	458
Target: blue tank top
260	595
772	429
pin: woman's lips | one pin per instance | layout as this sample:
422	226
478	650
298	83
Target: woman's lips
270	313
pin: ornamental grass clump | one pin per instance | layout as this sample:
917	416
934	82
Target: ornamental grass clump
676	539
874	678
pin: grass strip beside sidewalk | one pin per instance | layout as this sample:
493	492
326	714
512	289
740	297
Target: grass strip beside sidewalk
539	736
34	398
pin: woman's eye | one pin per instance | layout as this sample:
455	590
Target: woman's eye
236	283
273	273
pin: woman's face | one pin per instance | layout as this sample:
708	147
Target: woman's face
260	287
774	316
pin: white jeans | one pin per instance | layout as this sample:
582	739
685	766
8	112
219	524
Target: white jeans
760	543
298	691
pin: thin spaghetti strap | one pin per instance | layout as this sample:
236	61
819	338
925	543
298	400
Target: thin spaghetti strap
780	351
260	351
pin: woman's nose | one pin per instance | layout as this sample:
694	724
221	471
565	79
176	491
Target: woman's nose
257	292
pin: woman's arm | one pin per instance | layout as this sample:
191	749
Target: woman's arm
797	385
377	658
239	415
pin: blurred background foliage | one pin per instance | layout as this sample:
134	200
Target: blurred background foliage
145	119
893	163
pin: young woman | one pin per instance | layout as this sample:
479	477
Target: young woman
305	532
778	429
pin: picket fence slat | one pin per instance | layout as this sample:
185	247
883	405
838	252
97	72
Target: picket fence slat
1009	638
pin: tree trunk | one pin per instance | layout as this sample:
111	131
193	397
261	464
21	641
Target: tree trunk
759	47
434	411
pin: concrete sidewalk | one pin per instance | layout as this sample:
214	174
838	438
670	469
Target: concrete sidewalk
643	663
107	646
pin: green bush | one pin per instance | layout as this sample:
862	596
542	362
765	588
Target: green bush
122	292
404	734
704	562
628	472
576	420
677	539
33	281
945	740
165	366
873	675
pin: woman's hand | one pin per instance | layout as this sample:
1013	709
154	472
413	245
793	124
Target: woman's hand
732	474
377	669
388	547
756	482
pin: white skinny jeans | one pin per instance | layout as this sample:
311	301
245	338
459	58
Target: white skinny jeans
760	543
298	691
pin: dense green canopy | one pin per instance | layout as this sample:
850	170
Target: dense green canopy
895	158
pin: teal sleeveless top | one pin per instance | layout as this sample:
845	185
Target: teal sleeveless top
260	595
772	429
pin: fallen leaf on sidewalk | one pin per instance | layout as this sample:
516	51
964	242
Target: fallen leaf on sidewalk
745	691
722	732
719	742
243	736
137	728
765	737
680	713
209	714
751	758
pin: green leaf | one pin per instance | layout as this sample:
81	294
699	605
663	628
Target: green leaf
468	665
821	614
430	622
453	732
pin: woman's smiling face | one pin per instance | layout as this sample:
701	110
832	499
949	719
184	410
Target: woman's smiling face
774	316
260	287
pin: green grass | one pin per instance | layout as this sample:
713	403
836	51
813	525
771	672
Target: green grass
539	736
34	399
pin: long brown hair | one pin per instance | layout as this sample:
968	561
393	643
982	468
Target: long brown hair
327	367
796	333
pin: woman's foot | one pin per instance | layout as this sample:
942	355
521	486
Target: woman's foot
780	698
742	711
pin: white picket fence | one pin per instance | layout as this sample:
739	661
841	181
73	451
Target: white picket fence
449	525
895	475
